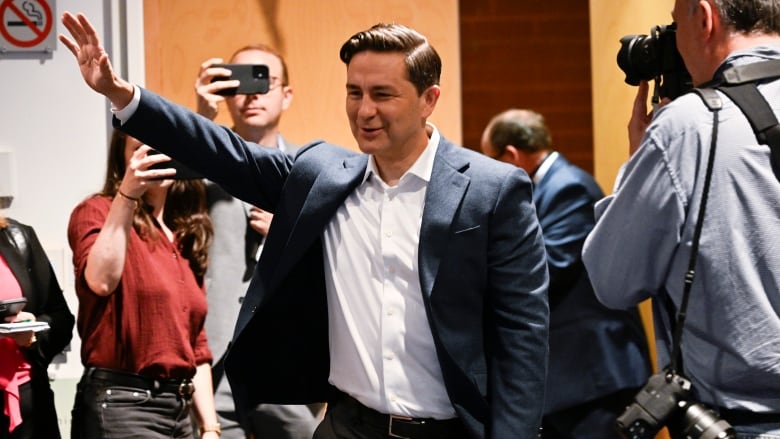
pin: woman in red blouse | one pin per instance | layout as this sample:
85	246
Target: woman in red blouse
139	253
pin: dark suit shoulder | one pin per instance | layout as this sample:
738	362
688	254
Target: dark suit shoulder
565	176
475	163
322	151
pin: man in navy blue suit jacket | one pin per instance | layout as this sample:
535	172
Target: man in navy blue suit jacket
406	285
598	356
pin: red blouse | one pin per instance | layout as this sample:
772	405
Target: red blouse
153	324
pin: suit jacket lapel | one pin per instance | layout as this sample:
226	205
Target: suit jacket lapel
445	191
328	192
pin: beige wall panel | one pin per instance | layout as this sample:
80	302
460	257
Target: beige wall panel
612	97
180	34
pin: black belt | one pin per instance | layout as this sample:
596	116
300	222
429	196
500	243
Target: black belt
405	427
183	387
746	417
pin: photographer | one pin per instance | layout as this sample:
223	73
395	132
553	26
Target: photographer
641	244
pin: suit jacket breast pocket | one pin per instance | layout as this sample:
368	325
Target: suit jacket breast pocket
470	229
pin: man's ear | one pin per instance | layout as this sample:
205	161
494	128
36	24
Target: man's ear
512	151
429	99
708	20
515	155
287	90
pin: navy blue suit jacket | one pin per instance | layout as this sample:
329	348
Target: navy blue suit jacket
594	351
481	256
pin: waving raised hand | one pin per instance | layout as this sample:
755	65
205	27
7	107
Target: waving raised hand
93	60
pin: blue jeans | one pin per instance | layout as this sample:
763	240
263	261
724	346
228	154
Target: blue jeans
107	410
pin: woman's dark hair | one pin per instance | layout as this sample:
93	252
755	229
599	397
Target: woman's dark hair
423	64
185	210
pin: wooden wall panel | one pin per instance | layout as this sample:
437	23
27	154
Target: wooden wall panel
612	97
529	54
180	34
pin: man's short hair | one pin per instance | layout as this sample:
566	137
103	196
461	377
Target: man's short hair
260	47
423	64
745	16
523	129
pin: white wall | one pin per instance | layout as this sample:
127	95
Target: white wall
56	130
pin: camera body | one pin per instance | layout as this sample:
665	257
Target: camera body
655	56
665	402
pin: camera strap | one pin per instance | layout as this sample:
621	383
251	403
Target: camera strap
714	103
739	84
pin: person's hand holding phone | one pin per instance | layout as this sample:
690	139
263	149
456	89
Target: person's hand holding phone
143	171
208	90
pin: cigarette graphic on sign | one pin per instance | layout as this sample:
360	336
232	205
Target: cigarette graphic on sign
32	12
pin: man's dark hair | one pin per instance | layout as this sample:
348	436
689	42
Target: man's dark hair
423	64
746	16
523	129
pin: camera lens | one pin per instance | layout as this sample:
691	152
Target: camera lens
637	58
655	57
699	422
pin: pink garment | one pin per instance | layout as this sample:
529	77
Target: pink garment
14	368
14	371
9	286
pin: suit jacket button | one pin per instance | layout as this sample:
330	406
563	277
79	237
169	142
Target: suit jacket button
254	308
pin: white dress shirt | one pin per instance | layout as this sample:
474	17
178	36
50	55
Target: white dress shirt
381	346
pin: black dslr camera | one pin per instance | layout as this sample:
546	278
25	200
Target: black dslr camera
664	402
655	56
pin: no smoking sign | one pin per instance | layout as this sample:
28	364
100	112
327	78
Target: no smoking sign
27	26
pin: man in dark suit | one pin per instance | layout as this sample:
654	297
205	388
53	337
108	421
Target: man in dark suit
598	356
406	285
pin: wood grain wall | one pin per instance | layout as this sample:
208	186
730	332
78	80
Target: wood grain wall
180	34
529	54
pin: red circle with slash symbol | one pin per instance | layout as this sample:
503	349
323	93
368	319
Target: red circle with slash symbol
24	23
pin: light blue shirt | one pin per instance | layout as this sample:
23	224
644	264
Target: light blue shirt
641	245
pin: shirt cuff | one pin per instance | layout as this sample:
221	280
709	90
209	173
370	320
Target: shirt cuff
124	114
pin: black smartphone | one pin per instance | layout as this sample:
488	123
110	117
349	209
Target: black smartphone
254	79
182	171
11	307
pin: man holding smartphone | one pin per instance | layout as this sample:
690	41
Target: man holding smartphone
239	231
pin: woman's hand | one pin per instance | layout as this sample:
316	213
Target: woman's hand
23	339
138	175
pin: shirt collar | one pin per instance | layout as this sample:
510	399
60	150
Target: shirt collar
748	56
541	171
422	167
